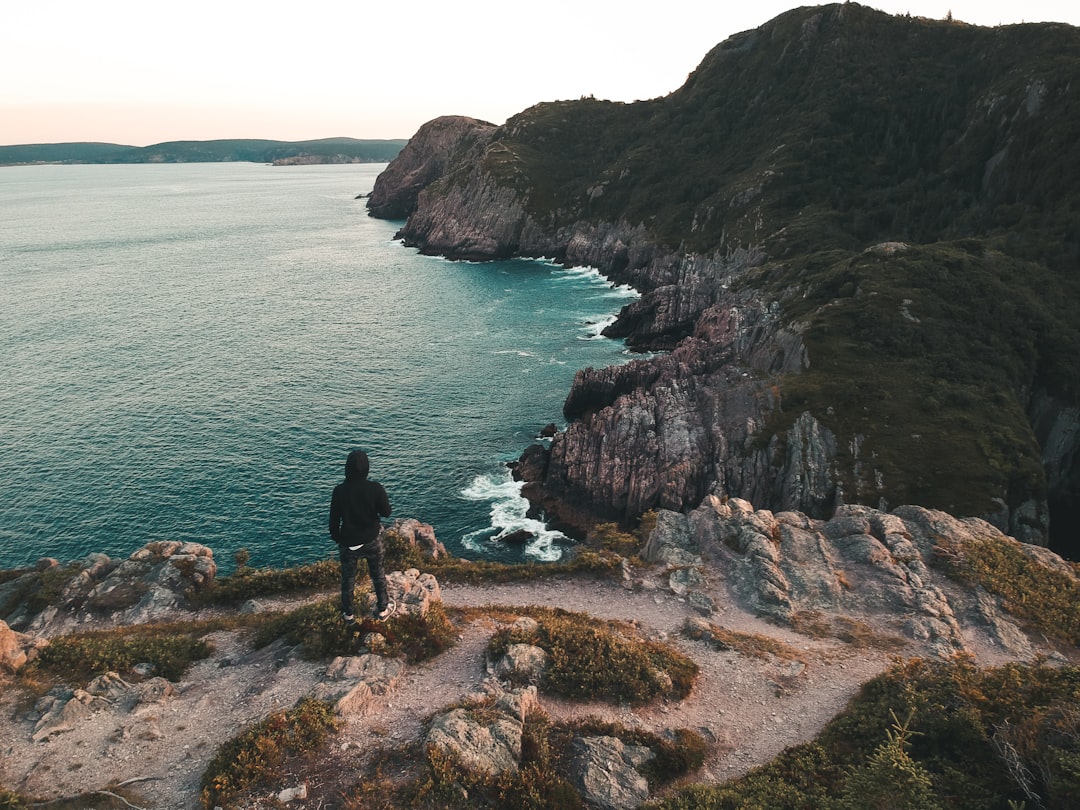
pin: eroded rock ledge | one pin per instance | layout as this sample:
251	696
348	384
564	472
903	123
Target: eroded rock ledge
704	418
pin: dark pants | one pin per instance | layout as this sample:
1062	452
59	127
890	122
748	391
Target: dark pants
373	553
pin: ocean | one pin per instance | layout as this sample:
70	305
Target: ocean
189	351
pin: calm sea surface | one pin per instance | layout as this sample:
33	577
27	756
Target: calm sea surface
188	352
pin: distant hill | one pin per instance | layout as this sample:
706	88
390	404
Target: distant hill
325	150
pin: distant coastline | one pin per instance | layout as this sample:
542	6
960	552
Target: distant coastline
279	153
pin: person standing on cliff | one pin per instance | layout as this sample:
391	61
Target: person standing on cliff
356	507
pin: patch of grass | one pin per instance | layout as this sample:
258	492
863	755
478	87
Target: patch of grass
401	555
84	656
117	798
950	749
1045	599
252	757
318	627
753	645
249	583
590	659
851	631
9	800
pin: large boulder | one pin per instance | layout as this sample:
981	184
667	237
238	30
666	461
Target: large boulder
15	649
355	684
604	770
485	740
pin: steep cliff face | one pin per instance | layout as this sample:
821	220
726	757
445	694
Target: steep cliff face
423	160
887	317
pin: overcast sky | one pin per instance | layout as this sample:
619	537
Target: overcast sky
138	72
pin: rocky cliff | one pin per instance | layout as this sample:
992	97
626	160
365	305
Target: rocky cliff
861	283
786	617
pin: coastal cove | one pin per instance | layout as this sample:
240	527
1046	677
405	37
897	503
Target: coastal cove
189	351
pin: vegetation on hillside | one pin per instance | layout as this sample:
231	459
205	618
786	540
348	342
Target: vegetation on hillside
819	135
254	151
927	735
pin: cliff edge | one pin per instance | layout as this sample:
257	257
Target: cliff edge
857	271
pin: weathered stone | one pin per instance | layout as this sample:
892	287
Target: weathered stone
486	740
603	769
13	647
420	535
61	710
483	746
522	664
355	684
412	591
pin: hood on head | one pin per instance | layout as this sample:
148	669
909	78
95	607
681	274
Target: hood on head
357	465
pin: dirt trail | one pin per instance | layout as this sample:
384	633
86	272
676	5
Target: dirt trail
750	708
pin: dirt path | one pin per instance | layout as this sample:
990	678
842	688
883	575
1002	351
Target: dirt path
750	708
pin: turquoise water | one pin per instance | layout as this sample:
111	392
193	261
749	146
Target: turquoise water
188	352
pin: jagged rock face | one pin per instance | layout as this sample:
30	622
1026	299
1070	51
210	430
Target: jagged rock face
667	431
862	563
149	585
422	162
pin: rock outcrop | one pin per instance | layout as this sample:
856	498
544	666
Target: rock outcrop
422	162
724	289
488	739
152	583
862	564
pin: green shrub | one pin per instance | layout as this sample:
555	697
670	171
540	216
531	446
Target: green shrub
589	659
249	583
84	656
962	720
253	757
12	801
319	628
1045	599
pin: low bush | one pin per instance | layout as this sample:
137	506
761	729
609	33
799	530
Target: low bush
590	659
977	739
319	628
252	757
84	656
1043	598
249	583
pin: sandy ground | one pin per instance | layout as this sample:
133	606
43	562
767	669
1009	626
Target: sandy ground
750	708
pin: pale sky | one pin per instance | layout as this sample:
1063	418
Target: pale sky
137	72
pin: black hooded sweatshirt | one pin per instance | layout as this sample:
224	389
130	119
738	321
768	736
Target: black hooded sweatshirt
357	504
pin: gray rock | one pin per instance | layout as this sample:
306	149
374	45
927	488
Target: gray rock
486	740
603	769
63	709
356	684
522	664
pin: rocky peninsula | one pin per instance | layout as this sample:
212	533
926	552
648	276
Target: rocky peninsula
835	305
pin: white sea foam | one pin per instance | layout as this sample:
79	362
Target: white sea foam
508	515
592	275
595	329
